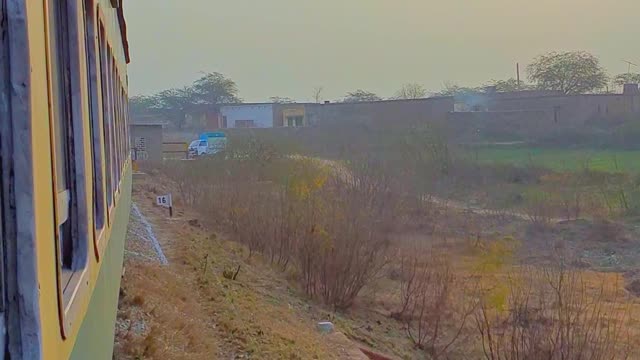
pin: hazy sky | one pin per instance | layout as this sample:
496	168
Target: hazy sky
288	47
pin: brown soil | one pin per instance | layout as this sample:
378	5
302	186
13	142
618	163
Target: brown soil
190	310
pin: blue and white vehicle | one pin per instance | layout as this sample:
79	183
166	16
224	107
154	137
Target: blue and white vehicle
208	144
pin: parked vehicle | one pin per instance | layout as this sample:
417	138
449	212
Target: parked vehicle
198	148
208	144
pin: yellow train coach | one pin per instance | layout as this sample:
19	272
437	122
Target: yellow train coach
65	167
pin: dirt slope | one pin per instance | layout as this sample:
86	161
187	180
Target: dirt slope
189	310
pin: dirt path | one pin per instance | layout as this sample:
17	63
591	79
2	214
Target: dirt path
461	206
342	170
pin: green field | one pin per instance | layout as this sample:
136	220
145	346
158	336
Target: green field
560	159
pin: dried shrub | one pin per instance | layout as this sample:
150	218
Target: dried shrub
331	226
433	320
539	208
551	314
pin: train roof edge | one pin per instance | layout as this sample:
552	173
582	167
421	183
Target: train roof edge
123	32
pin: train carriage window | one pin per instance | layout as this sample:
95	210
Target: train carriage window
62	142
97	154
116	124
121	127
120	138
123	142
113	126
64	69
112	121
106	113
116	112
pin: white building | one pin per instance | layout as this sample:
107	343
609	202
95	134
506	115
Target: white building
257	115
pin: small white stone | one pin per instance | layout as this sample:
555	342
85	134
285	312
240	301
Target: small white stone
325	327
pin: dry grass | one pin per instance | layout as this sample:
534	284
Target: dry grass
157	318
263	313
191	311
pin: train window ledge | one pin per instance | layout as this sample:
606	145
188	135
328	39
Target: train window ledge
76	288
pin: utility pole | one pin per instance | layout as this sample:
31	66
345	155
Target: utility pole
629	63
518	74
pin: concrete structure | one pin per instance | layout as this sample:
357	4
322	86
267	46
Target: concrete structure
574	109
250	115
146	141
532	113
477	126
290	115
386	112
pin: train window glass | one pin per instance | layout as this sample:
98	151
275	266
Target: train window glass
116	124
97	154
61	124
106	115
123	124
122	135
127	140
63	70
112	125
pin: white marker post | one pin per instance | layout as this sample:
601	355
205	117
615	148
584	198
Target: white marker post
165	201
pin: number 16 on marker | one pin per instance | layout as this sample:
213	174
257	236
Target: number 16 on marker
165	201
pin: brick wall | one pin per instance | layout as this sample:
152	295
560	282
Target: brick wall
383	113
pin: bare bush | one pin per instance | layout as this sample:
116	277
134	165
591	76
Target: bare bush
551	314
333	228
433	320
539	209
572	203
347	243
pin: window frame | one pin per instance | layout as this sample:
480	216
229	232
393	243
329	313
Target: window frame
96	123
71	280
104	53
117	118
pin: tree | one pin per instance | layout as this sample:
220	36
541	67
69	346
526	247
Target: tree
215	89
452	89
317	94
176	104
411	91
508	85
360	96
142	104
281	100
575	72
626	78
205	94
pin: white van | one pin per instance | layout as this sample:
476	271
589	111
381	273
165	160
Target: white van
208	144
198	148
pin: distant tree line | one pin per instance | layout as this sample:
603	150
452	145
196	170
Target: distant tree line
176	105
575	72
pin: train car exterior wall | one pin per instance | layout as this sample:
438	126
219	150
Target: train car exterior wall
64	82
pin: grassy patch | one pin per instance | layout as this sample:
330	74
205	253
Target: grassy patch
560	159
